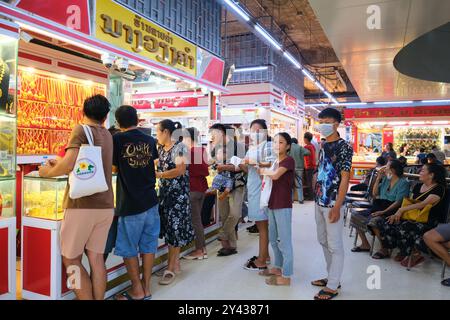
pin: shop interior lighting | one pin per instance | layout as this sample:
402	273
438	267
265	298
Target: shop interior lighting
238	10
309	75
292	60
268	37
397	123
417	122
351	104
439	122
436	101
249	69
392	102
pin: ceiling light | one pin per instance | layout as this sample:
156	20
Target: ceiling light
309	75
268	37
392	102
249	69
436	101
237	9
292	60
439	122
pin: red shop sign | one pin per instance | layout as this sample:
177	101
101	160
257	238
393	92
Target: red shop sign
397	112
290	102
73	14
166	102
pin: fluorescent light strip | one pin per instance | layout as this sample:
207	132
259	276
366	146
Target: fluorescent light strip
292	60
319	85
237	9
392	102
268	37
436	101
261	68
309	75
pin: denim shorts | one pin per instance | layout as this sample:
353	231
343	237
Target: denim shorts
138	234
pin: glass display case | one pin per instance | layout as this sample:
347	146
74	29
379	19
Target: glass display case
43	197
7	187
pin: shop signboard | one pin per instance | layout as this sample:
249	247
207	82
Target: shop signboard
121	27
397	112
290	103
73	14
175	102
209	67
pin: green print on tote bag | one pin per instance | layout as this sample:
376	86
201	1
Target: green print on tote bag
87	177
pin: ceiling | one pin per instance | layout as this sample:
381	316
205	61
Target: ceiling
295	24
367	55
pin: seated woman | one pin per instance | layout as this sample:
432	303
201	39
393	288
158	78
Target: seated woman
438	240
389	190
380	162
404	234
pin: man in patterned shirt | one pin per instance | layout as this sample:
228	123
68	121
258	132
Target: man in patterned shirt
335	162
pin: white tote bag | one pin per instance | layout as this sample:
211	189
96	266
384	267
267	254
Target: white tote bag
266	188
87	177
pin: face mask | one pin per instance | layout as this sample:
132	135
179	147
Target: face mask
389	176
326	129
257	136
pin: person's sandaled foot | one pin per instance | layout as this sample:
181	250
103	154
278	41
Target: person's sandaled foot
321	283
399	257
278	281
446	282
415	260
270	272
252	266
380	255
360	249
126	296
224	252
325	295
167	278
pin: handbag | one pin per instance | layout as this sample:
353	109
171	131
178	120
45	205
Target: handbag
417	215
87	177
266	188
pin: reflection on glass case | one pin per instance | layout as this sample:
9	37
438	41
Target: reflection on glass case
7	187
43	197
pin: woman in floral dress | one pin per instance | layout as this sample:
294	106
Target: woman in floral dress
174	195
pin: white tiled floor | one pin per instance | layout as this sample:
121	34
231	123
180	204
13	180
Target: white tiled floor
224	277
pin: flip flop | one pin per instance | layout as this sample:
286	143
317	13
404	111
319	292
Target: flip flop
148	297
251	265
379	255
322	283
165	280
446	282
414	261
127	296
326	294
272	281
359	249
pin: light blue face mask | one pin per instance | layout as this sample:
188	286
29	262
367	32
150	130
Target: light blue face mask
326	129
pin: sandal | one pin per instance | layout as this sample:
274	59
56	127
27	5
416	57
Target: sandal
414	261
251	265
328	295
399	258
267	273
380	255
224	252
127	296
272	281
322	283
167	278
359	249
446	282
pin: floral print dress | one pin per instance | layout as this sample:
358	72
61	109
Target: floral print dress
174	200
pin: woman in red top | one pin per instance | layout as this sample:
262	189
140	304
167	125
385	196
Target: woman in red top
310	163
198	171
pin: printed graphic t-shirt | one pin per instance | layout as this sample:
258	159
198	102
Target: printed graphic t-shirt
134	156
334	158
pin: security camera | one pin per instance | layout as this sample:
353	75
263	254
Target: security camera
108	60
164	108
122	64
256	104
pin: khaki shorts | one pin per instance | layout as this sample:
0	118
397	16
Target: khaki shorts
85	229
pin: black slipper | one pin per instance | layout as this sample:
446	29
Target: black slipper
380	255
326	294
359	249
322	283
446	282
251	265
127	296
224	252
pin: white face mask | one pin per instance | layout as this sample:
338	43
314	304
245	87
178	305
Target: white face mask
326	129
257	136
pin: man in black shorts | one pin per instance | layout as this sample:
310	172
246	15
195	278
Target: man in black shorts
438	240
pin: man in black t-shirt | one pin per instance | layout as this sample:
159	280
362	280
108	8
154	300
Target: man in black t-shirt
136	201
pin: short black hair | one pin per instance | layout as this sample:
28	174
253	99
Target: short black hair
308	136
403	159
294	140
424	160
433	147
422	150
431	156
96	107
439	173
381	161
169	125
127	117
331	113
261	122
397	167
220	127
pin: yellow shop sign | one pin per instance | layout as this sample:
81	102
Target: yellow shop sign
124	29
